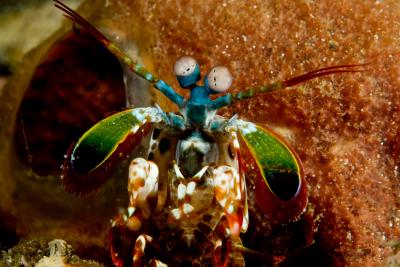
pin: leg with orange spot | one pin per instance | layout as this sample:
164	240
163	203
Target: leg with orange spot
120	241
138	260
230	194
129	248
142	186
226	252
157	263
129	226
139	250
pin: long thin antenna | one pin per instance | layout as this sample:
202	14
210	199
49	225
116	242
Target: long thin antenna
323	72
132	65
254	92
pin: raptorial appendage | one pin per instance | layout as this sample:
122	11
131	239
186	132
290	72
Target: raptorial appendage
200	221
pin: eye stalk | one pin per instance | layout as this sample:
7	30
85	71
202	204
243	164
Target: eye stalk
187	71
219	79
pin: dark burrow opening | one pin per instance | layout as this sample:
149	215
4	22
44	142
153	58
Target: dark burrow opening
75	86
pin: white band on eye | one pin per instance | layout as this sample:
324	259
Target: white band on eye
219	79
185	66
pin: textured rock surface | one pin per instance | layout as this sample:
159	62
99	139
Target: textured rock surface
37	253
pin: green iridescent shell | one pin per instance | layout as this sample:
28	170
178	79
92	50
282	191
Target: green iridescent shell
281	189
102	145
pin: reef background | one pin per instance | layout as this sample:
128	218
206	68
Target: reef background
345	127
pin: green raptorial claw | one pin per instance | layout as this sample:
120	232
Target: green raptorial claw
102	140
280	187
275	159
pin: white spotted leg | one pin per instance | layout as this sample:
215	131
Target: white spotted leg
142	189
139	251
230	193
157	263
185	191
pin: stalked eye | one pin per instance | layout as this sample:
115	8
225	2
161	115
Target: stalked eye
185	66
219	79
